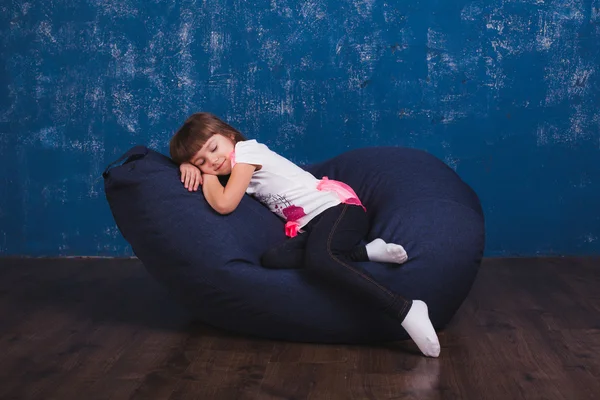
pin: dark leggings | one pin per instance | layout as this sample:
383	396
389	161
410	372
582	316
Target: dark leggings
330	247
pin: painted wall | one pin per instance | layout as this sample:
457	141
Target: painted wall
506	92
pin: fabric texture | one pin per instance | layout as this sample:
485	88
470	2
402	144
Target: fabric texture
411	197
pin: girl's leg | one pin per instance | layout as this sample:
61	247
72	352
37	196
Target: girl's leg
288	255
335	236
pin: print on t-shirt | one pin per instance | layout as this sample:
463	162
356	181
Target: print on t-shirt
281	205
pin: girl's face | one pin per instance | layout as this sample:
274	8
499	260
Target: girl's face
214	157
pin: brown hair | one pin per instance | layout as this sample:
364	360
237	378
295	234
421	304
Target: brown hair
195	132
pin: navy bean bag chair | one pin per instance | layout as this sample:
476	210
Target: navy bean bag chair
210	262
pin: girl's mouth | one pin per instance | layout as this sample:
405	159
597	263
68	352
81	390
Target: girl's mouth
220	165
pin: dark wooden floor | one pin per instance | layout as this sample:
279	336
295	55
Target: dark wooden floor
103	329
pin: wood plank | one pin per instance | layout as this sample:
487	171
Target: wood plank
104	329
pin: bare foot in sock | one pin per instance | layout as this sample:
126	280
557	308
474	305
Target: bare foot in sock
380	251
418	325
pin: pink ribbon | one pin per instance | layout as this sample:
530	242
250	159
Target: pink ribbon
346	194
291	228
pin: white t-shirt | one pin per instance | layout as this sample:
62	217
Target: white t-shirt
288	190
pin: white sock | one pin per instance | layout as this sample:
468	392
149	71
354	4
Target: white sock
420	329
380	251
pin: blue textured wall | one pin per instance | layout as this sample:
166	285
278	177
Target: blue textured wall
506	92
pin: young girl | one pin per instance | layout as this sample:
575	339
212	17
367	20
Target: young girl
325	219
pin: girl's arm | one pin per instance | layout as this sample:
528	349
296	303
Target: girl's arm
226	199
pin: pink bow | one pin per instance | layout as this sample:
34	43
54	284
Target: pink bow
291	228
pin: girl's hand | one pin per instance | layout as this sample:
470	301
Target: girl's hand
191	176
